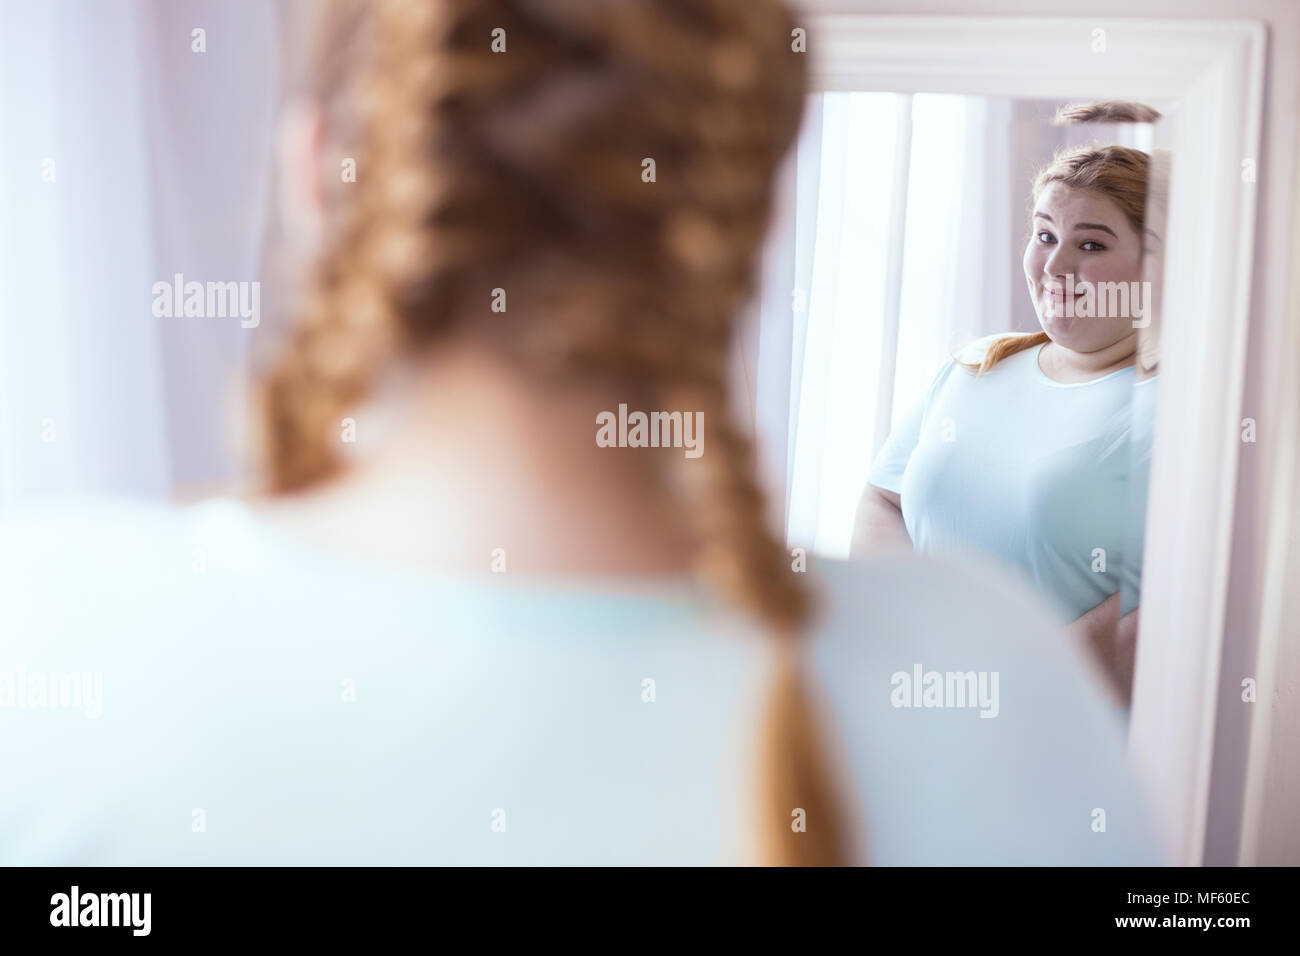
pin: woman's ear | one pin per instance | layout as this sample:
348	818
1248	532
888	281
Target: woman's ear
299	143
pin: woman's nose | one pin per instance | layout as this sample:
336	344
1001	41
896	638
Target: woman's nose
1060	263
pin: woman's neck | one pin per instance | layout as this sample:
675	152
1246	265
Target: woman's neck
477	458
1068	366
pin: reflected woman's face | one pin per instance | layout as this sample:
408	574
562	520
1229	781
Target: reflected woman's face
1081	237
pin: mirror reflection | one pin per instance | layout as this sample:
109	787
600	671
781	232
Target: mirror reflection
978	295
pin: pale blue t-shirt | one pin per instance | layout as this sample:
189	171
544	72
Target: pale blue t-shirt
247	700
1030	471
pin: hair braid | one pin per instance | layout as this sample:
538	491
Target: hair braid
749	564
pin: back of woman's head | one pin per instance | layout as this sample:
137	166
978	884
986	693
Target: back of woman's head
582	186
607	165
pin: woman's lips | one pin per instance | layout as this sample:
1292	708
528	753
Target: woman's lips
1058	304
1062	296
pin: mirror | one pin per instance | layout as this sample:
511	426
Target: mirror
975	341
1207	79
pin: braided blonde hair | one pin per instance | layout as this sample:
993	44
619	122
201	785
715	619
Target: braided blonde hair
522	169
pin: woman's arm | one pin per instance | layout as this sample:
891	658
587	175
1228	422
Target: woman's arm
1112	641
878	525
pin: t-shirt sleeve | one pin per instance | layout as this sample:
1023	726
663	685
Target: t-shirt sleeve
887	470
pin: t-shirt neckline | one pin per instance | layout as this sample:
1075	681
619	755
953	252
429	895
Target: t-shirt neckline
1044	378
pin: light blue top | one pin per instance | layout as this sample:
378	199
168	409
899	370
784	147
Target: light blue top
1027	470
261	703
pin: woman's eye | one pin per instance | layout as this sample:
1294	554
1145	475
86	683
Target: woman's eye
1098	247
1044	236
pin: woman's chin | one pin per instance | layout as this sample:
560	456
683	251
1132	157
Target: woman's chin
1057	325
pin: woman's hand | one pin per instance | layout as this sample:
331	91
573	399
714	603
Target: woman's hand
878	525
1112	642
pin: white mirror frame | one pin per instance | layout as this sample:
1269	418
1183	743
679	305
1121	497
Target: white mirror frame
1212	72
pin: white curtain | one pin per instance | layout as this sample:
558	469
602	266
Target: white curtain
125	157
81	395
895	241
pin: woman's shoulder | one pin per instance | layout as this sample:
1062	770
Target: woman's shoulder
968	357
116	536
971	728
85	528
975	350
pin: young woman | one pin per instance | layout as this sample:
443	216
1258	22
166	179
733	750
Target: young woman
1028	457
482	637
